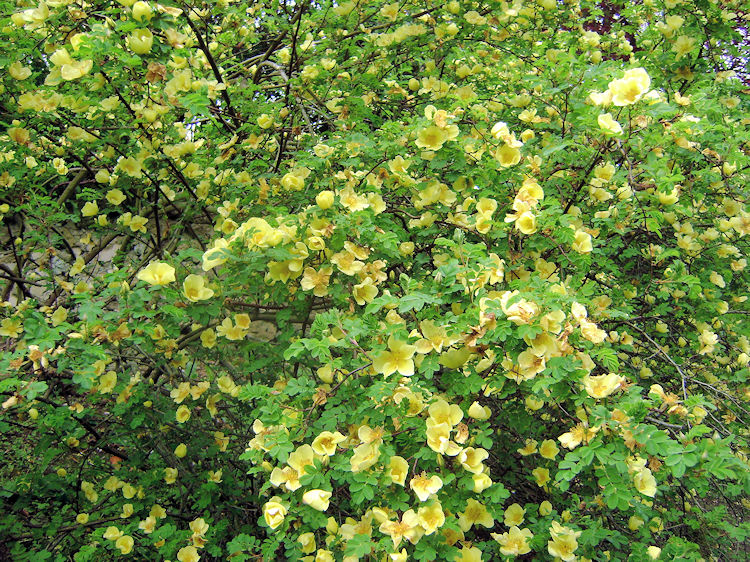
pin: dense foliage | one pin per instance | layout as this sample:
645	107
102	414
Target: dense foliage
363	281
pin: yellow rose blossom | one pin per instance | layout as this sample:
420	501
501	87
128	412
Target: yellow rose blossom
302	457
183	414
148	525
442	412
424	487
526	223
541	476
195	289
317	499
307	542
114	196
548	449
475	513
274	512
408	528
398	358
90	209
140	41
188	554
325	443
364	292
471	459
157	273
582	243
507	155
513	515
479	412
515	542
397	470
141	11
563	543
645	482
125	544
431	517
431	138
112	533
602	386
630	88
365	455
608	124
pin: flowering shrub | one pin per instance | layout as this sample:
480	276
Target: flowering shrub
365	281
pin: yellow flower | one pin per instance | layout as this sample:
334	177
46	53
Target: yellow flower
325	443
274	512
140	41
601	386
563	543
397	470
141	11
398	358
364	292
324	199
408	528
513	515
435	337
592	332
75	69
608	124
683	45
438	438
541	475
107	382
303	456
645	482
469	554
265	121
125	544
112	533
474	514
19	72
630	88
526	223
481	482
157	273
431	138
183	414
307	542
442	412
114	196
365	455
188	554
548	449
317	499
582	243
148	525
424	487
11	327
431	517
195	289
471	459
214	256
479	412
90	209
231	331
508	155
514	542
